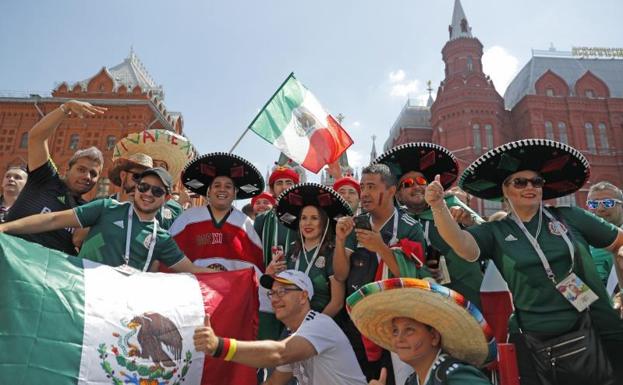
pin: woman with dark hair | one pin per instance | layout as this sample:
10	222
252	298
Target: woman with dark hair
311	209
542	253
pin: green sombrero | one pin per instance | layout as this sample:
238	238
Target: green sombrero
428	158
201	171
291	202
465	333
564	168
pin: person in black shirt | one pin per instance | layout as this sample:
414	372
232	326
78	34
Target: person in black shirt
45	191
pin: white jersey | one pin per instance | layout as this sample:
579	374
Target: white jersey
335	361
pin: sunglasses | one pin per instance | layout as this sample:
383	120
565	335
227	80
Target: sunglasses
410	182
605	203
536	182
156	191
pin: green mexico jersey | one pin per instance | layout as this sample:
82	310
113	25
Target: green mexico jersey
105	243
268	227
541	307
319	272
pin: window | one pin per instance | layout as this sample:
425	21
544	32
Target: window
476	135
73	142
549	130
103	186
589	93
110	142
23	142
568	200
590	138
470	64
603	139
489	136
562	132
549	92
491	207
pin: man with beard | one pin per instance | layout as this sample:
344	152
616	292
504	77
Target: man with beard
121	234
125	174
45	191
383	243
12	184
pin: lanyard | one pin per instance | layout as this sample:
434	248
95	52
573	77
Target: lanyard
309	262
537	247
128	241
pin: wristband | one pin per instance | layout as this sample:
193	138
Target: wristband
231	352
219	348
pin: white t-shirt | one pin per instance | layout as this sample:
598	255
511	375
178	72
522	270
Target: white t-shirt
335	362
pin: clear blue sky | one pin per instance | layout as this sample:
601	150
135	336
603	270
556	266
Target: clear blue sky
219	61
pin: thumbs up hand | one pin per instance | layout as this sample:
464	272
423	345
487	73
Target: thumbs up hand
434	193
382	378
204	338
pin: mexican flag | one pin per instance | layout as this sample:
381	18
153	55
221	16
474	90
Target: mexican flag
294	121
65	320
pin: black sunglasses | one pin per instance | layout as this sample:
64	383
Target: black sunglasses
156	191
519	183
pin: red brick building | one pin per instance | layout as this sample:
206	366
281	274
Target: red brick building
556	95
134	103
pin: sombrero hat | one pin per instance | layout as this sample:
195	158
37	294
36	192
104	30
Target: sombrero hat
135	160
201	171
428	158
160	144
465	334
290	202
564	168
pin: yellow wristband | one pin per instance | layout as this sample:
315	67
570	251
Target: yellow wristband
233	344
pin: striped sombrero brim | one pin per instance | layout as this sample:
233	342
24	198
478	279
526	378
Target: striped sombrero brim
428	158
464	332
564	168
199	173
291	202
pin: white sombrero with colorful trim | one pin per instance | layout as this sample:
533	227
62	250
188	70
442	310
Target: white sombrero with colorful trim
159	144
465	334
564	168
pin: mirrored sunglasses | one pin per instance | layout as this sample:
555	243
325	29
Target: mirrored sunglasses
156	191
520	183
410	182
605	203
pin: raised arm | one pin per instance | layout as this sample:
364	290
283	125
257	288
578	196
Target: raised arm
40	223
462	242
38	149
341	256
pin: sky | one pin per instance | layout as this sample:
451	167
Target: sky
220	61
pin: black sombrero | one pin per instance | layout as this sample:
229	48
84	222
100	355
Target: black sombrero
201	171
564	168
291	201
428	158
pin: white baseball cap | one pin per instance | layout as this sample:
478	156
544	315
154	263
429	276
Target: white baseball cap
289	277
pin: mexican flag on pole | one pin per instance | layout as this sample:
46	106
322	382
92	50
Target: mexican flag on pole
65	320
294	121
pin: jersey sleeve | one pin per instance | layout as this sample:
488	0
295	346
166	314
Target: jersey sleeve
42	173
316	332
168	252
483	234
88	214
597	232
466	374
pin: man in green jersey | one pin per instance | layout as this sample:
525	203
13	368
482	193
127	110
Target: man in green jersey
122	234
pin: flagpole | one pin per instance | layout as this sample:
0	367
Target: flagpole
259	113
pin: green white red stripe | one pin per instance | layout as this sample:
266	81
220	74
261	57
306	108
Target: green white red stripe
296	123
72	321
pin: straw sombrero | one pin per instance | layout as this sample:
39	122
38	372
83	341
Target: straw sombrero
465	334
564	168
135	160
290	202
160	144
201	171
428	158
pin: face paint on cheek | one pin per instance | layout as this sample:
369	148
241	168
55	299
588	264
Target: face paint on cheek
381	196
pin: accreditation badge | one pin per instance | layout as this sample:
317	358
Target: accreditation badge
576	292
126	269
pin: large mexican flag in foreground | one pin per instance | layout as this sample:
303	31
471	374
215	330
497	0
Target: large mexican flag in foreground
294	121
65	320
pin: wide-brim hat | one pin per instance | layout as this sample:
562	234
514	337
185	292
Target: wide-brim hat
465	334
176	150
291	202
135	160
428	158
564	168
199	173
